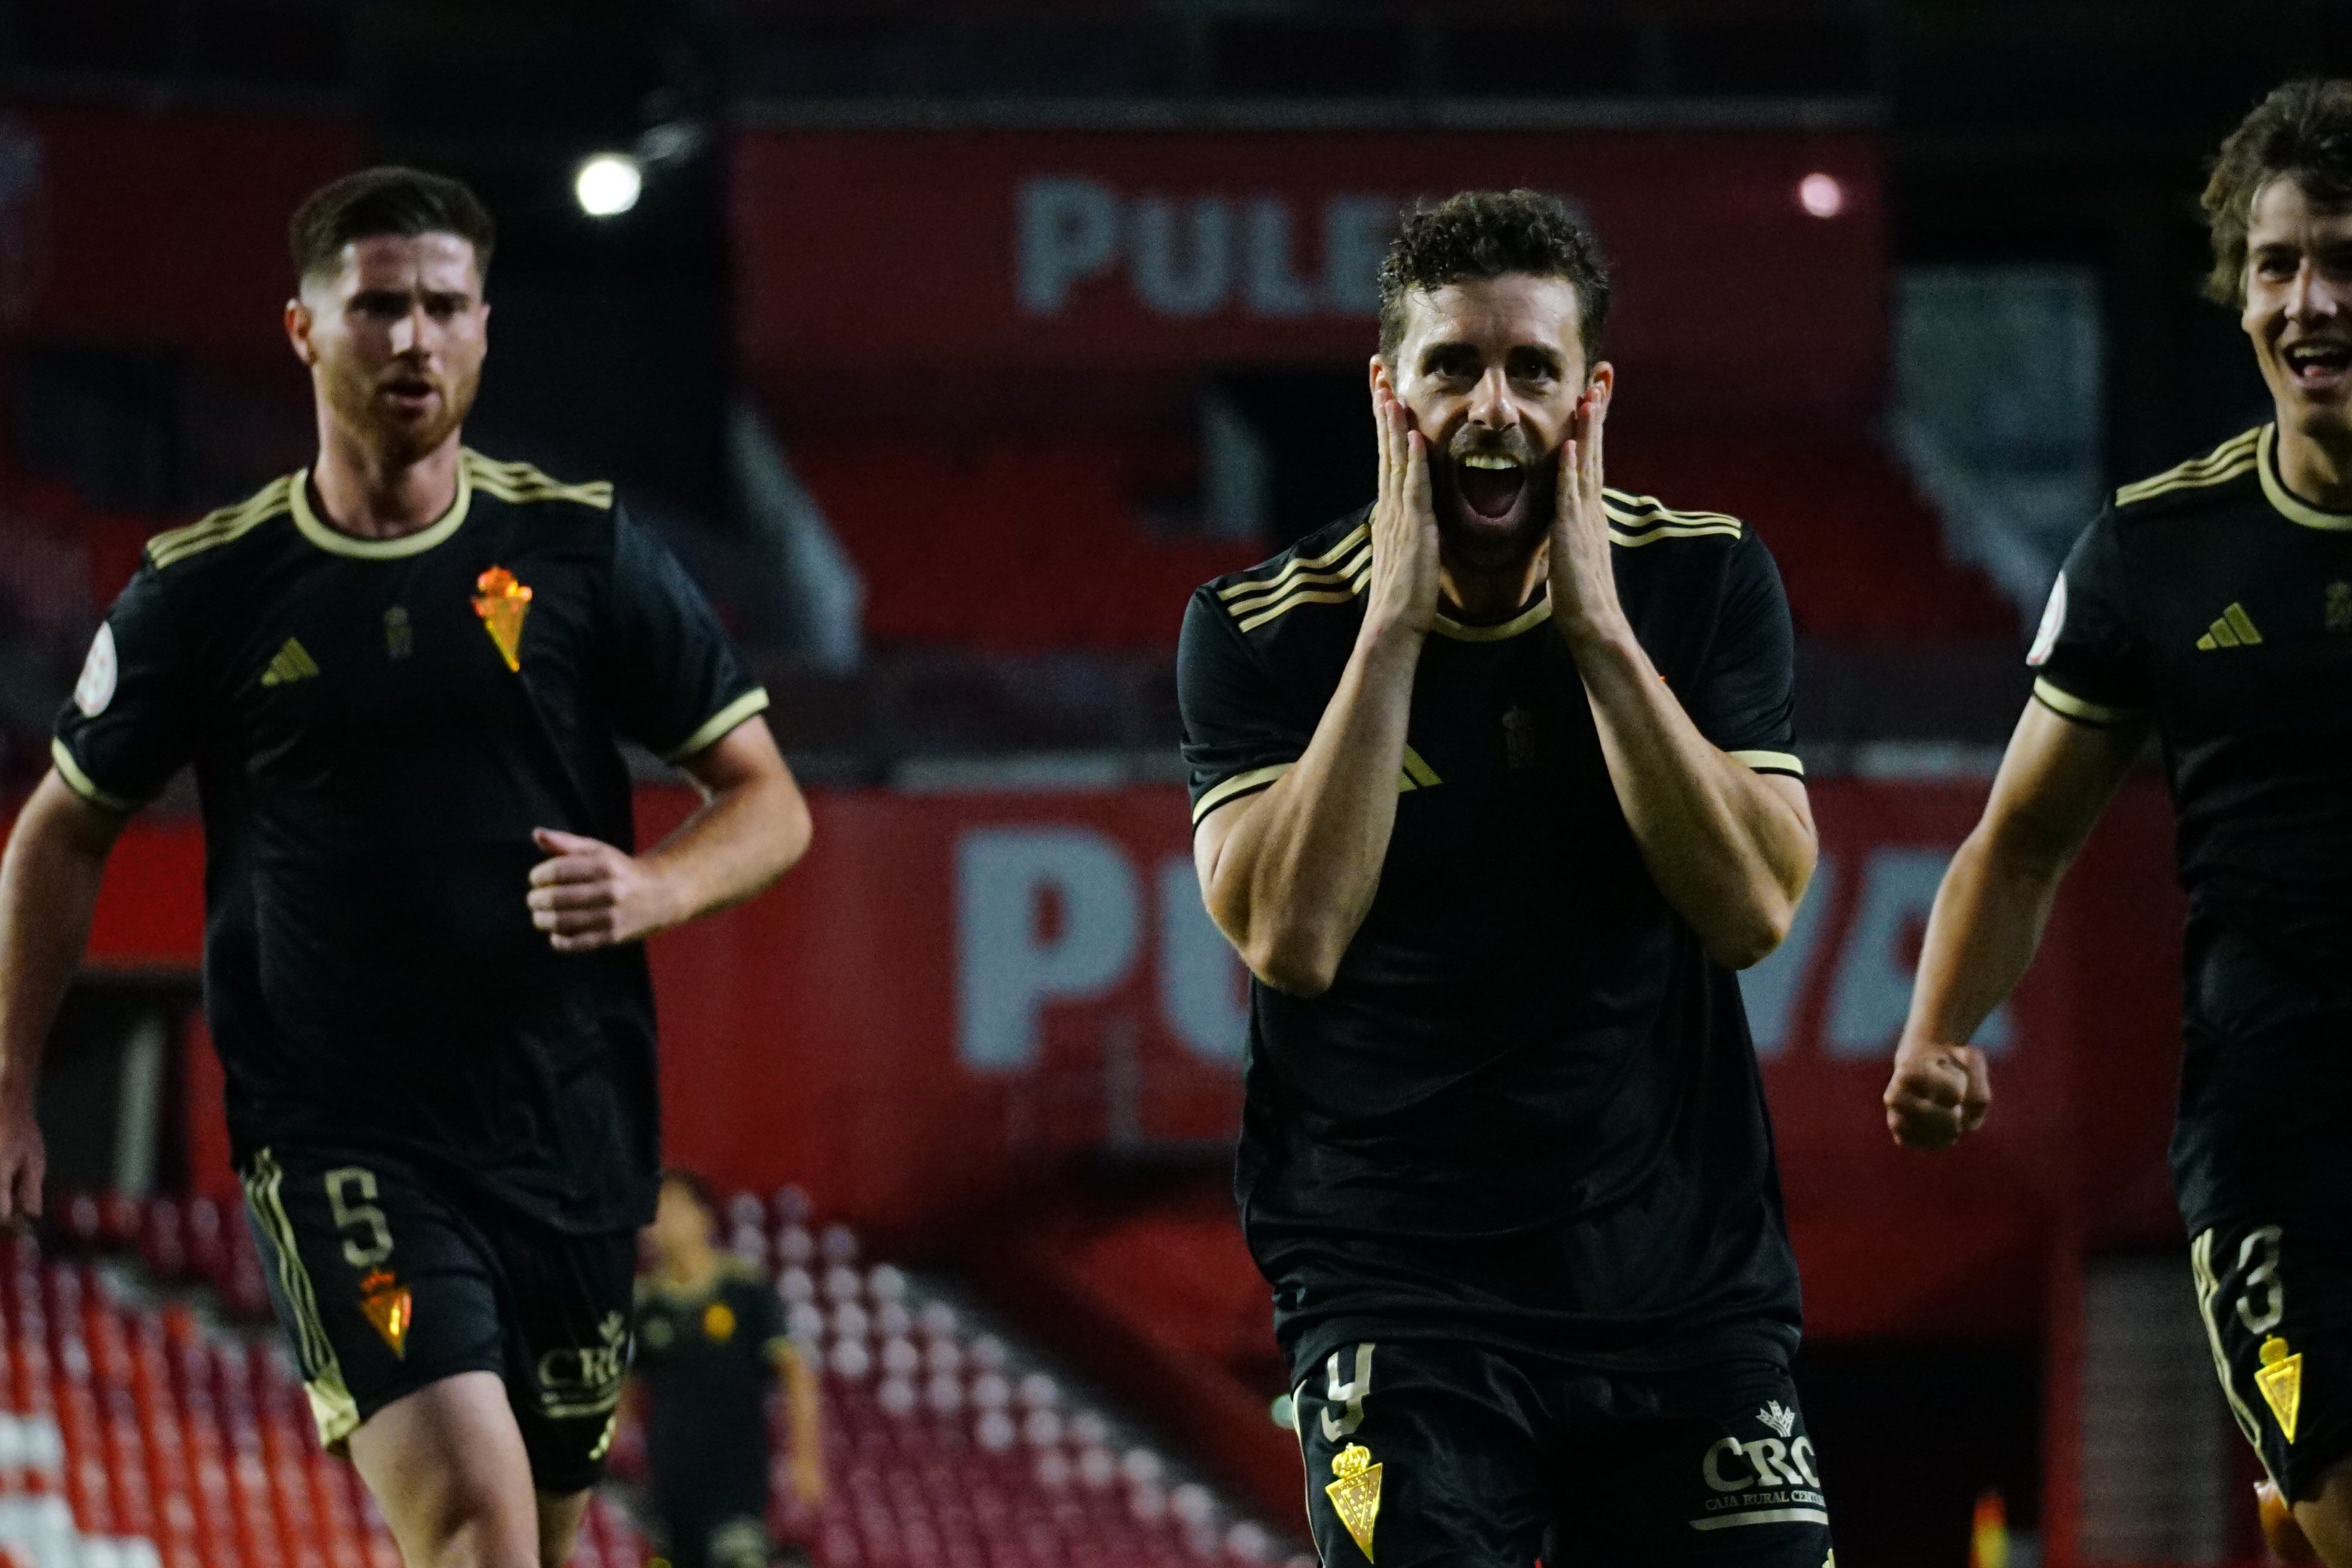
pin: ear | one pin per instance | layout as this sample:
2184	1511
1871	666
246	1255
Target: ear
1379	378
298	331
1601	385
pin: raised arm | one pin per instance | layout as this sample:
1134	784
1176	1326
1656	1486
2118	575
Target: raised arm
1730	848
49	887
752	825
2055	779
1289	873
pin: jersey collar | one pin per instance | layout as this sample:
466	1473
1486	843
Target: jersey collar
2289	505
336	542
1526	620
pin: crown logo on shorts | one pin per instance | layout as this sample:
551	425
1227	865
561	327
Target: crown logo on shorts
1355	1493
389	1308
1778	1417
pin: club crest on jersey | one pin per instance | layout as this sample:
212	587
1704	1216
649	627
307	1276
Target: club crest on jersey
2281	1381
1518	739
2339	607
503	602
389	1308
1355	1493
1778	1417
399	636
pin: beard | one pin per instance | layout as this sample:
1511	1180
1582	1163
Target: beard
397	437
1490	520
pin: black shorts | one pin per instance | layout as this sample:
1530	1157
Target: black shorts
386	1282
1432	1455
2276	1295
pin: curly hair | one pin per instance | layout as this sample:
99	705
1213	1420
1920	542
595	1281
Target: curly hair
385	200
1486	233
2302	132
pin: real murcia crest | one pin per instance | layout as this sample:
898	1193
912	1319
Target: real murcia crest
1778	1417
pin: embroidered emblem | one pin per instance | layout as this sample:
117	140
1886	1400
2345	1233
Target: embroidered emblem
1518	739
1778	1417
502	603
399	636
2234	629
2339	607
2281	1381
1355	1493
389	1308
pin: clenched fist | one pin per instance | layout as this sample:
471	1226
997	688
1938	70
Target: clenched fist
1938	1095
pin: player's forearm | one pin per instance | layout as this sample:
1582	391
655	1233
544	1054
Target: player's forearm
1729	853
1981	936
49	878
736	845
1293	883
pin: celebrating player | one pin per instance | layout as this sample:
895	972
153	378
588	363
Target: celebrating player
2213	604
399	675
1492	790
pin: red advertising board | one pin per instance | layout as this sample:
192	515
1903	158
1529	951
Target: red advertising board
159	230
954	992
1028	251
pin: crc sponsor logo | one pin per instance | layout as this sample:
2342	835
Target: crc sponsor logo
1771	1472
585	1380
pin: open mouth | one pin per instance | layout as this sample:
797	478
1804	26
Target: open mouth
2318	366
1490	484
412	391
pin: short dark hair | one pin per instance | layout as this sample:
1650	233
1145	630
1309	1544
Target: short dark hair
2302	132
1486	233
388	199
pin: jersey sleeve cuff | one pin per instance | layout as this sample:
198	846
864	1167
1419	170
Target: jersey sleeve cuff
711	730
1785	762
1236	787
2083	711
83	785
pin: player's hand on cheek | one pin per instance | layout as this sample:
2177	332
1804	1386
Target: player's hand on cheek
1403	589
1583	576
1937	1095
588	895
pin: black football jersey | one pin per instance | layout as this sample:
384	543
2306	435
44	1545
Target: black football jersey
2212	603
376	727
707	1361
1526	1112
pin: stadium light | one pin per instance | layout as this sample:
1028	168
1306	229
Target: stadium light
608	184
1821	194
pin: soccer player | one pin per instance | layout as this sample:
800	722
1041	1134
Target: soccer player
2212	605
1493	791
399	675
710	1344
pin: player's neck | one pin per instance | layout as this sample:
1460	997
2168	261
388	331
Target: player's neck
1492	594
2317	469
364	495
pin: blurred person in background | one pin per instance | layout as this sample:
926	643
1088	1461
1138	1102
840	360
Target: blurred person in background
401	674
1492	790
712	1347
2211	605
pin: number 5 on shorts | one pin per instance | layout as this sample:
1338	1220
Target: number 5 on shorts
348	1215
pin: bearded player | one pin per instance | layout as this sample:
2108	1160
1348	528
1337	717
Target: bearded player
400	674
1493	791
2212	607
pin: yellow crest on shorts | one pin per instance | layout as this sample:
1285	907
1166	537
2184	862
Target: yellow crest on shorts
388	1307
1355	1493
2281	1381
